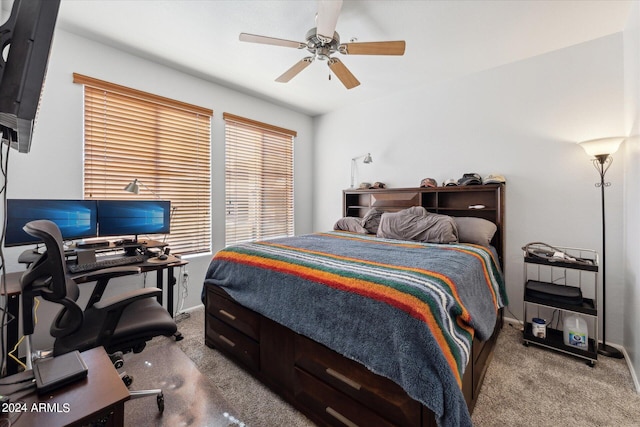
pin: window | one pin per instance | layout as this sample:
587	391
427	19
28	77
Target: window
258	180
164	144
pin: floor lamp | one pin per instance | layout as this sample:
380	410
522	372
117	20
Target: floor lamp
601	149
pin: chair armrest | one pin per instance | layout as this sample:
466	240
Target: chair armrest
105	273
124	299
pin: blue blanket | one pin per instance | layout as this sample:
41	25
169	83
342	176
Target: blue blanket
407	311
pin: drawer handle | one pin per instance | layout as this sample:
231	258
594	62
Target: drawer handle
227	314
227	340
337	415
348	381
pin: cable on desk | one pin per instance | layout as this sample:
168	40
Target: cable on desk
24	380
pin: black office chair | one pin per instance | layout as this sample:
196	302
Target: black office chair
122	323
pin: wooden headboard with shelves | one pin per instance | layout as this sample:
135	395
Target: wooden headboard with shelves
481	201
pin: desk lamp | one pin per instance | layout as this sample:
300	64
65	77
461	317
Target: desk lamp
134	187
367	160
601	149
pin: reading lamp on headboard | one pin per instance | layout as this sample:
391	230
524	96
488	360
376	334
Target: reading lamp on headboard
367	160
601	149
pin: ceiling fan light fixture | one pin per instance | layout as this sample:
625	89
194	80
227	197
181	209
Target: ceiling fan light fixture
323	53
322	46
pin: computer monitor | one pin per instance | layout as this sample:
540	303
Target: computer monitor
77	219
133	217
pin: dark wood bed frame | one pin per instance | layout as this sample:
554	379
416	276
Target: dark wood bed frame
328	388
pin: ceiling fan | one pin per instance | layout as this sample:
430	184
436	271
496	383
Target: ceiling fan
323	41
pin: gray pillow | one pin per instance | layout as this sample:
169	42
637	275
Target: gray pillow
371	220
350	223
478	231
419	225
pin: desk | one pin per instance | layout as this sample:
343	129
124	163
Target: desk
13	291
171	281
171	278
101	394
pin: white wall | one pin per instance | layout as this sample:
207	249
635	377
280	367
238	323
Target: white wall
632	189
521	120
54	167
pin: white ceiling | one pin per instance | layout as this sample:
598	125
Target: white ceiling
445	40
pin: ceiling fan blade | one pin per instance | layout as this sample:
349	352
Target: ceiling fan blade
297	68
343	73
373	48
252	38
328	12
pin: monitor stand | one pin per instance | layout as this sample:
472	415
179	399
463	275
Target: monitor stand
92	244
131	250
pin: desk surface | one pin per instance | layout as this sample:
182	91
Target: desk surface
12	286
77	403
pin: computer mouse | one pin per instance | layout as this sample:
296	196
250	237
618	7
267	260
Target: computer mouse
162	257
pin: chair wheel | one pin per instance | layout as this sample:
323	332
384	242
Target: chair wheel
160	401
117	360
127	380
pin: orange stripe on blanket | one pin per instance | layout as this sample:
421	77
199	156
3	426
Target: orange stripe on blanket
405	302
452	288
485	270
358	237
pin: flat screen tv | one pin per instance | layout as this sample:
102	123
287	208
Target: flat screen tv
25	40
133	217
77	219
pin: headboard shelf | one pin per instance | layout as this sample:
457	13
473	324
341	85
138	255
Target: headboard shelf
482	201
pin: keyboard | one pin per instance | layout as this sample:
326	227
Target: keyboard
106	263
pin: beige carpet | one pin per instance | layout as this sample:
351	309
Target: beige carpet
524	386
531	386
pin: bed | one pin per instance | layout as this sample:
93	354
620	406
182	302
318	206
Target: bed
361	329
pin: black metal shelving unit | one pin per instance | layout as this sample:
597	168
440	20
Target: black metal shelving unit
557	272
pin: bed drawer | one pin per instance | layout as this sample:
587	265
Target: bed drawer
478	346
231	341
233	314
484	353
354	380
332	406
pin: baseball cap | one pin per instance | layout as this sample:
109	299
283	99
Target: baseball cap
470	179
450	182
428	182
494	179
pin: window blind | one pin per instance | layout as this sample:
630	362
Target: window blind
165	144
258	180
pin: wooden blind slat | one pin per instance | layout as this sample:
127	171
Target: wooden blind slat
258	180
165	144
264	127
117	89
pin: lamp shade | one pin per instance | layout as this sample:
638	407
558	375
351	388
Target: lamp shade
368	159
132	187
602	146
